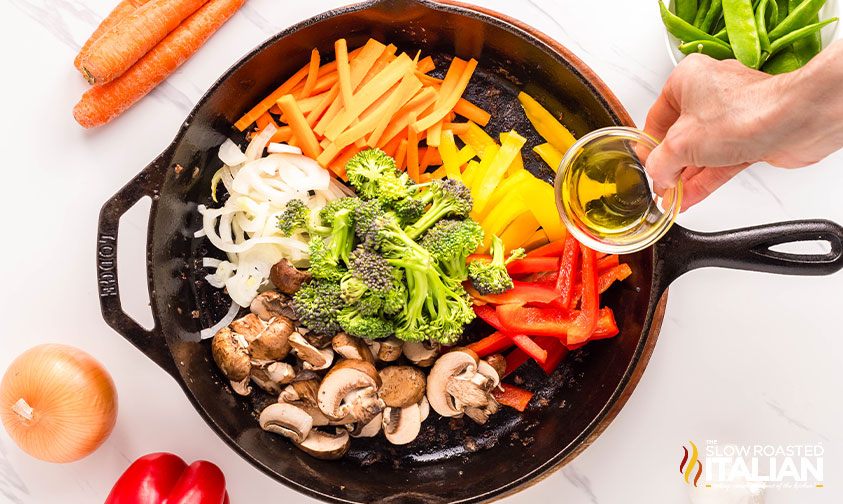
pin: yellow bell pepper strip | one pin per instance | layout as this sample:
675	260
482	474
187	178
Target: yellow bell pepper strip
536	240
465	155
478	139
540	198
512	183
550	154
510	208
518	162
470	171
548	127
519	231
493	175
448	150
491	152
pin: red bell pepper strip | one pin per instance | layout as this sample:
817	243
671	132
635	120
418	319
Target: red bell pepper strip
514	360
522	266
513	396
550	321
496	342
619	273
552	249
556	351
567	270
586	321
522	341
163	477
608	262
520	293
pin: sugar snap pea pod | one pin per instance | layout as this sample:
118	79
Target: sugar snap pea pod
722	35
797	18
783	62
808	47
743	34
686	9
702	10
761	23
720	25
795	35
712	15
784	7
680	28
716	50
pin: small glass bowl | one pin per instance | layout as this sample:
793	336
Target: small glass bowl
618	142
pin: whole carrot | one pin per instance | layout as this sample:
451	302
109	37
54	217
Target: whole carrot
132	37
122	10
103	103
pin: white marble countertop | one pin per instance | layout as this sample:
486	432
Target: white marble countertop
742	357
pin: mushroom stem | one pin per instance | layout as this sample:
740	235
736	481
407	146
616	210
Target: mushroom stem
24	410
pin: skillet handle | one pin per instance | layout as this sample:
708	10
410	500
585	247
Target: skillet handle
150	342
683	250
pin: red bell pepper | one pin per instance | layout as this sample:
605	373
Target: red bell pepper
567	270
607	262
552	249
586	321
520	293
496	342
522	341
160	478
514	360
513	396
522	266
618	273
550	321
556	351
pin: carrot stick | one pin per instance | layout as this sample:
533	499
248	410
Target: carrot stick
325	82
401	154
392	147
383	60
449	83
102	103
430	153
122	10
283	134
472	112
413	154
450	101
265	119
425	65
329	153
264	105
132	37
434	134
343	71
456	128
274	109
428	80
338	166
301	130
312	74
405	116
327	98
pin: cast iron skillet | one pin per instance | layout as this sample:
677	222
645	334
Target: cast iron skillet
453	460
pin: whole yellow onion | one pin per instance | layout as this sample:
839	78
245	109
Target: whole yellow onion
57	403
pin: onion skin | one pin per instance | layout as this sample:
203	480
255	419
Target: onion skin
73	401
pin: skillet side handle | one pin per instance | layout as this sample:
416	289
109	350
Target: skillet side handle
683	250
150	342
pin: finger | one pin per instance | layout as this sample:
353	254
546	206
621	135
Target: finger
669	158
701	185
691	171
661	117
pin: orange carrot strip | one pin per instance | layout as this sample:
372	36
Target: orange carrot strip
329	153
264	105
111	55
343	71
327	98
451	116
114	17
438	173
404	116
102	103
265	119
338	166
457	128
449	83
450	101
428	80
425	177
413	154
283	134
392	147
425	65
383	60
401	155
293	140
324	82
301	130
472	112
274	109
434	134
312	75
308	104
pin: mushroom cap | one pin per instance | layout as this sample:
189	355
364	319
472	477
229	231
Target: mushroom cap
424	408
401	425
326	446
270	304
303	388
249	326
287	278
498	362
401	385
271	377
307	352
231	355
370	429
456	362
272	343
390	349
347	377
351	347
327	354
490	372
421	353
241	387
287	420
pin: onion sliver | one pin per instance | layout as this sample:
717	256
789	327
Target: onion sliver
258	143
278	148
230	154
227	319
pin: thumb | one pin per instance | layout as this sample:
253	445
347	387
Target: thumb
666	162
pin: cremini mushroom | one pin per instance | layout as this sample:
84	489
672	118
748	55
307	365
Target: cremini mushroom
249	326
401	425
326	446
272	343
458	381
313	358
241	387
401	386
302	394
231	355
319	341
270	304
287	420
371	429
422	354
350	347
498	362
424	408
348	393
287	278
374	347
272	376
390	349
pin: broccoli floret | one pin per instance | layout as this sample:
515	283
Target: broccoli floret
450	242
357	324
408	210
395	297
371	268
375	176
318	305
298	217
447	198
323	264
327	214
326	261
491	277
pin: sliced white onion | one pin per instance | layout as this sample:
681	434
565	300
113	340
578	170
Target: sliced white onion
279	148
230	154
199	233
226	320
258	143
210	262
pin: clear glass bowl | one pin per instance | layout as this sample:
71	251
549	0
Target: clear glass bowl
618	148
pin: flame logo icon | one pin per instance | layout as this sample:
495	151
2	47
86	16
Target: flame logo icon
686	467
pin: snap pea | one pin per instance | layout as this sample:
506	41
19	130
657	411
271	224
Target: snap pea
682	29
743	33
720	25
686	9
712	15
722	35
783	7
761	23
795	35
797	18
717	50
701	13
810	46
783	62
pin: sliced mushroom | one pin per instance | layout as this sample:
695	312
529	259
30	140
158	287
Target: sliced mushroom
319	341
370	429
272	343
352	348
241	387
287	278
390	349
498	362
271	377
326	446
401	425
422	354
489	372
348	392
303	388
328	355
287	420
231	355
424	408
401	386
249	326
308	353
270	304
374	347
454	364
